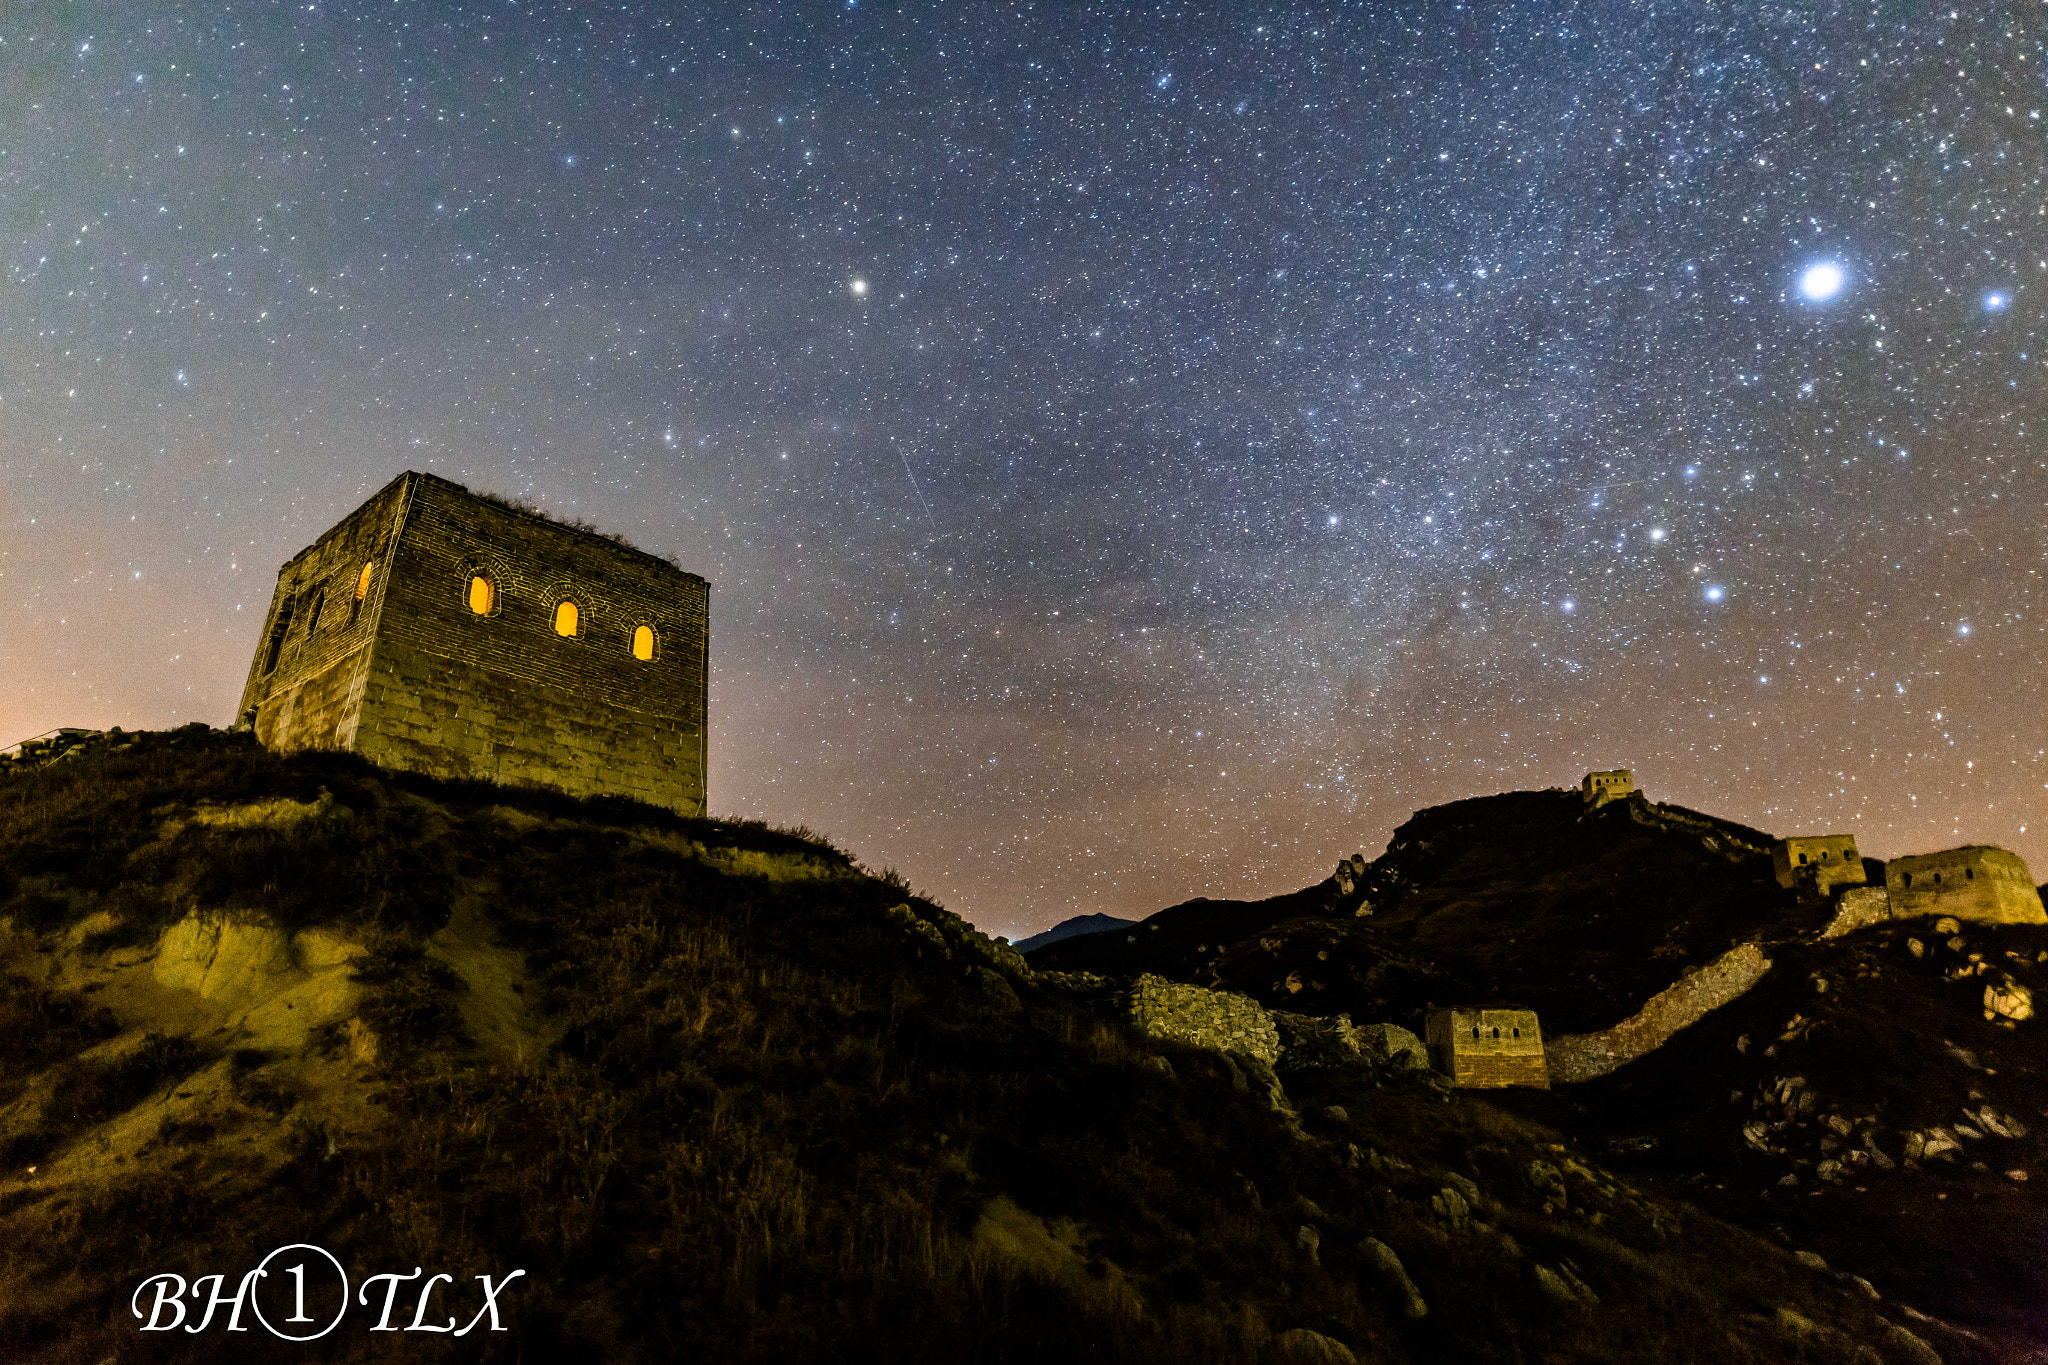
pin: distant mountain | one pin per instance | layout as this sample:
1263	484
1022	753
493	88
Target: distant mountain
1073	928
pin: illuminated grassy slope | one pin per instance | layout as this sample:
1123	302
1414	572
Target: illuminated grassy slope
720	1099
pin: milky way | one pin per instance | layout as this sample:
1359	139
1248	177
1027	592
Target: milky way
1136	453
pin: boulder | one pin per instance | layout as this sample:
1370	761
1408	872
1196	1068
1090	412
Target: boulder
1390	1045
2009	998
1380	1258
1300	1346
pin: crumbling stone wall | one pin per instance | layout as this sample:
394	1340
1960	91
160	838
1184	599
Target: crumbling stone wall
1858	908
412	677
1584	1056
1975	882
1221	1020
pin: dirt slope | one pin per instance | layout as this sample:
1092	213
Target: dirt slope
722	1095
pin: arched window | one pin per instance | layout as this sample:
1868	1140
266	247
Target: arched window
363	579
1802	857
1937	879
483	594
1970	873
1475	1030
1905	879
1496	1033
566	617
1517	1032
643	643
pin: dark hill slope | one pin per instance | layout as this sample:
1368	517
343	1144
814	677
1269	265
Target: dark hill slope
723	1096
1522	898
1797	1107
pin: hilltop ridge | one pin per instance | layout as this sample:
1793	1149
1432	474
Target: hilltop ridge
723	1094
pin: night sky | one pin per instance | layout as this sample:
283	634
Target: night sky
1137	453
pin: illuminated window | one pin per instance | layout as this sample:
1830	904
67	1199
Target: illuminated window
483	595
565	617
643	643
363	581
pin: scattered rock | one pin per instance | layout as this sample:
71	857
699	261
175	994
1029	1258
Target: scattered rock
1390	1045
2009	998
1450	1206
1336	1113
1548	1180
1812	1260
997	993
1300	1346
1947	925
1381	1258
2016	1175
1565	1288
1909	1347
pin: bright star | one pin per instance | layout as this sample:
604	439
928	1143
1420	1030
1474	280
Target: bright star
1715	592
858	286
1568	604
1994	302
1656	533
1822	281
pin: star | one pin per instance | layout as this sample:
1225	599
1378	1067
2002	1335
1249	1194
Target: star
1822	281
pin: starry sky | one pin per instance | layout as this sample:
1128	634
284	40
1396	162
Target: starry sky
1138	451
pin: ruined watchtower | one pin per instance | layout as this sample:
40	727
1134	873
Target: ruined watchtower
1975	882
1598	788
459	635
1487	1048
1830	859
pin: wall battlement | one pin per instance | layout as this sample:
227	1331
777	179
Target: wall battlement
443	632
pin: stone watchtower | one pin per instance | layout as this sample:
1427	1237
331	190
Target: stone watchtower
1598	788
452	634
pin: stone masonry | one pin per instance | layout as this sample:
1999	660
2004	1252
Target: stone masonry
1219	1020
428	631
1976	882
1585	1056
1487	1048
1598	788
1831	860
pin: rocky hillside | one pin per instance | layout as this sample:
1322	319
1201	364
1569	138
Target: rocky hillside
1522	897
1861	1101
720	1094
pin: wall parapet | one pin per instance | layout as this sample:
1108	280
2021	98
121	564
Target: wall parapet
1587	1056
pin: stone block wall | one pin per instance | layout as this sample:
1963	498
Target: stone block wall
1198	1017
1482	1048
305	682
417	679
1976	882
1584	1056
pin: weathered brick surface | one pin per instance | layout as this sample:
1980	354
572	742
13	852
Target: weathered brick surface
1464	1046
415	679
1976	882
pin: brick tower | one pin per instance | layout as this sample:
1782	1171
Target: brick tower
458	635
